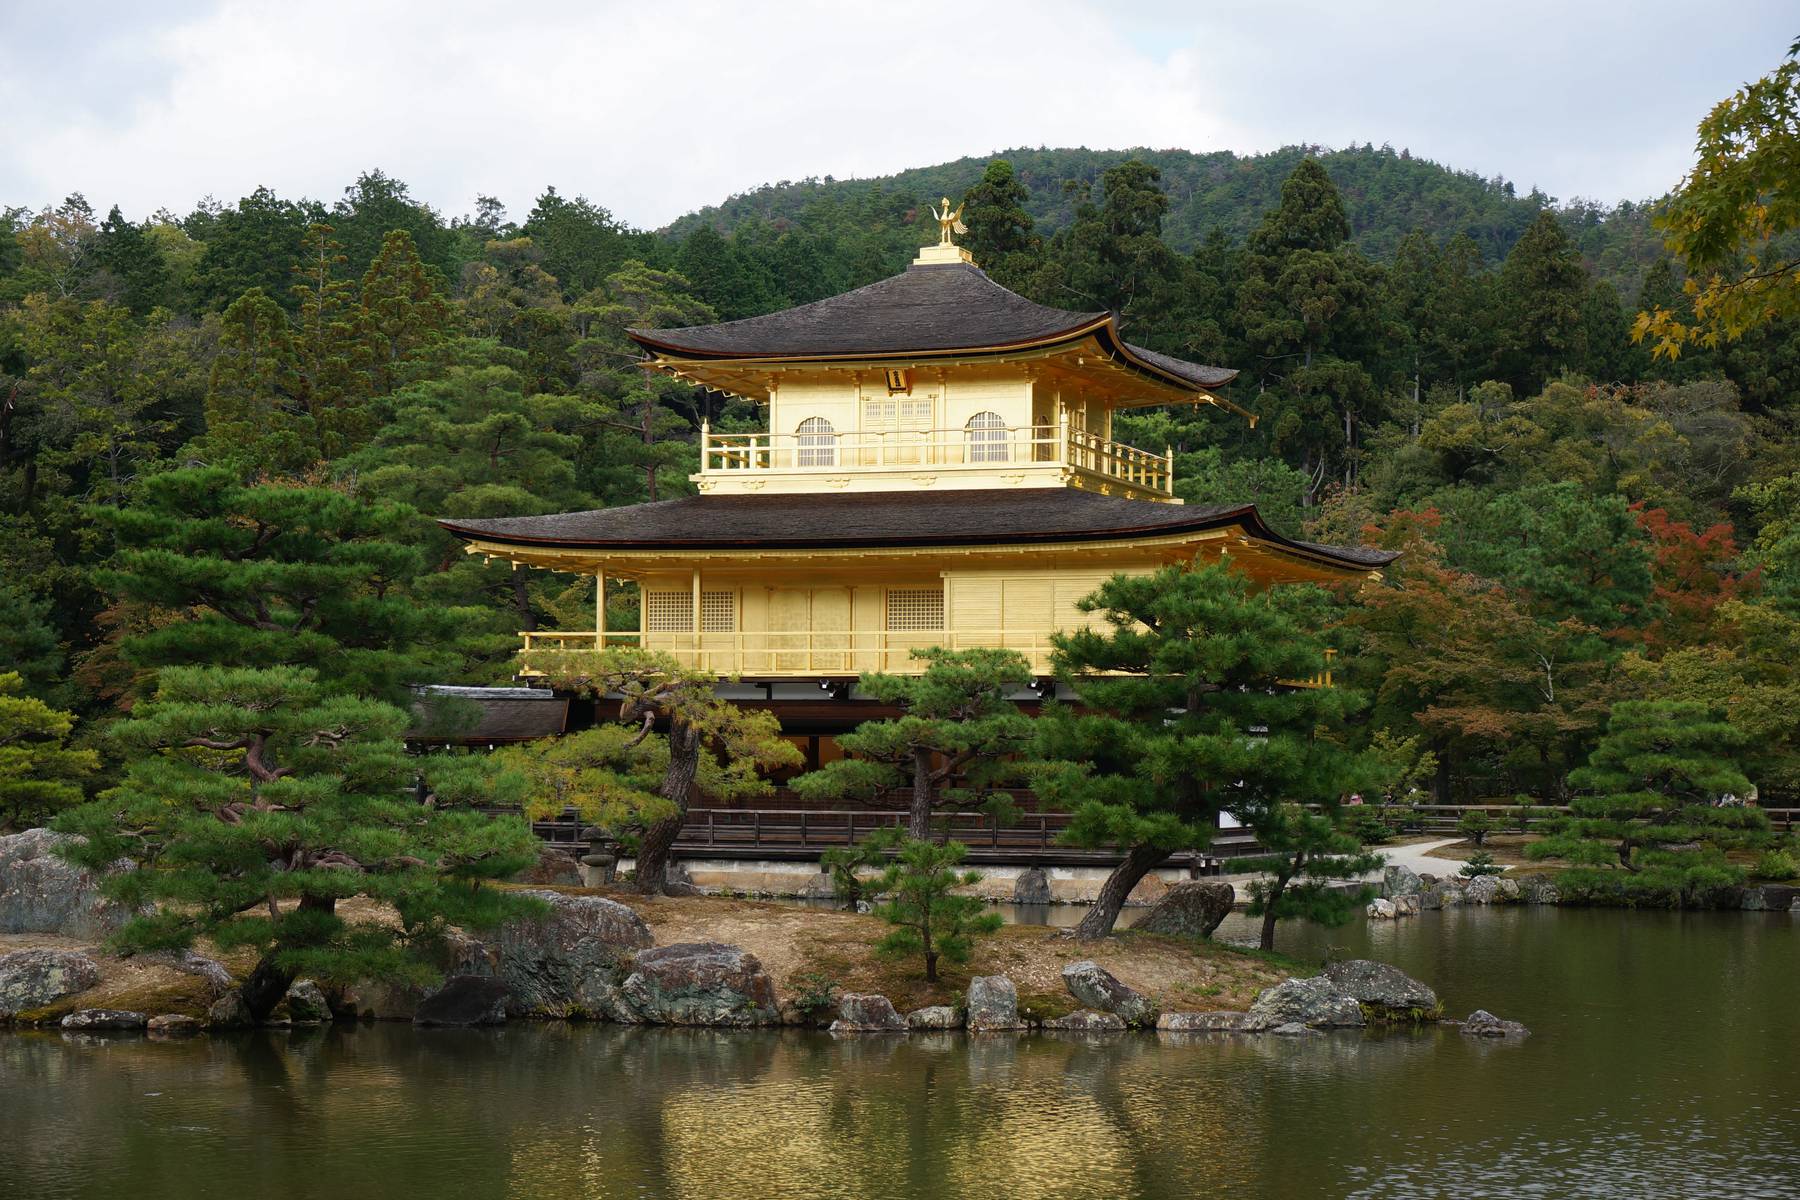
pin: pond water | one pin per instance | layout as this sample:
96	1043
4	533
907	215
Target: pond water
1664	1064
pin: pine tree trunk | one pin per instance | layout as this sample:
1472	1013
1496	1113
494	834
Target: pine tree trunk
918	816
268	983
1099	921
1267	940
677	787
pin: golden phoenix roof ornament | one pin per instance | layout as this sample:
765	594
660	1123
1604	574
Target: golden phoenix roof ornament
949	222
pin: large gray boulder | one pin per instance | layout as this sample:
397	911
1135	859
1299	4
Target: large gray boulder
1381	909
1399	880
1032	887
934	1016
229	1012
40	893
174	1025
1386	993
570	962
105	1018
1770	897
1316	1001
1190	909
31	979
1202	1022
867	1013
993	1004
1087	1021
700	983
464	1000
305	1004
1096	987
1538	889
1483	889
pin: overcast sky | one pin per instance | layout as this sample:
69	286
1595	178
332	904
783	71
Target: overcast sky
658	107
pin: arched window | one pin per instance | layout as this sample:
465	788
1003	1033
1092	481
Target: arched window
987	438
818	443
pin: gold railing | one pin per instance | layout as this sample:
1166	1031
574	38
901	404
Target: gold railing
828	453
808	653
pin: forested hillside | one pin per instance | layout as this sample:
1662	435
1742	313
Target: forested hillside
1388	194
223	434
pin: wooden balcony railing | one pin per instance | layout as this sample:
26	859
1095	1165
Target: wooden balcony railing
829	452
812	653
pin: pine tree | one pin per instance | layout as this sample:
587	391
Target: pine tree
127	253
930	919
39	774
958	718
1649	820
1184	714
1311	854
275	574
257	800
681	709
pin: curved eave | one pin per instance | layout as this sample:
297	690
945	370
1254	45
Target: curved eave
1245	518
670	356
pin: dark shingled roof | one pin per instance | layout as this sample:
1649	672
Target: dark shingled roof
499	714
926	309
975	517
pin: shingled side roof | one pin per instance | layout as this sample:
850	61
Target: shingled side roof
960	518
925	310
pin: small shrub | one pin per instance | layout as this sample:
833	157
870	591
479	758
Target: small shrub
1367	824
1480	863
1475	826
843	862
1776	864
1523	814
929	918
818	994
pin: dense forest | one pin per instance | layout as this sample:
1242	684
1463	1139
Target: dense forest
255	409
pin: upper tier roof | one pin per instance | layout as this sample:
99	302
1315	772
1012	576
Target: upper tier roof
938	309
961	518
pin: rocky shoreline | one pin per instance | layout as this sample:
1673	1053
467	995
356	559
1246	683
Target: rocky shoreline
590	957
1405	893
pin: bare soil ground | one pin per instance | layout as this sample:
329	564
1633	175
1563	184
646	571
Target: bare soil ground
1508	850
806	948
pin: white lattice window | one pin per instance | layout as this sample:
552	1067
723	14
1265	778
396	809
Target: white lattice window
669	612
718	612
896	412
915	608
817	442
987	438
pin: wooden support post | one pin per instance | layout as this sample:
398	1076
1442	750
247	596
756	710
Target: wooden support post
696	630
600	609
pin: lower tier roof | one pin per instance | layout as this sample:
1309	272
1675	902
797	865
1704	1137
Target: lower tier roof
973	517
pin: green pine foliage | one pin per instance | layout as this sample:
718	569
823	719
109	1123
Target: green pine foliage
952	746
1311	857
929	918
39	774
277	574
1187	712
1660	804
257	800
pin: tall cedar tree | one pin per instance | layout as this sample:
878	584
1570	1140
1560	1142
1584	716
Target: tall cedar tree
39	774
402	315
1184	714
257	799
957	719
324	339
1542	288
256	417
1001	237
277	574
682	709
1648	821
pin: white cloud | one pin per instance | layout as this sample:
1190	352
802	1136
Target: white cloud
656	109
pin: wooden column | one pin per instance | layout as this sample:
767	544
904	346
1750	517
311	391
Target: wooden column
696	631
600	609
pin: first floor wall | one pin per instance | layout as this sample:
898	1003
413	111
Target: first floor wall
741	622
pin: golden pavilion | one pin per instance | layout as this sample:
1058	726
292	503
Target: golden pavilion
939	470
